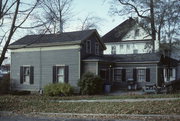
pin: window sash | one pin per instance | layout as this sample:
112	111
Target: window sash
26	75
141	75
117	74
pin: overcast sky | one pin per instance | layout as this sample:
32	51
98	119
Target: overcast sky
98	8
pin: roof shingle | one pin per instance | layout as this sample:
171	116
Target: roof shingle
46	39
119	32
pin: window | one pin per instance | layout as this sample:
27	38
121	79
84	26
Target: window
88	46
121	46
135	51
97	48
60	74
136	33
26	75
117	74
113	49
170	72
128	46
141	75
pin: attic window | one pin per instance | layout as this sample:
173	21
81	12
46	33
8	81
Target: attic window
136	32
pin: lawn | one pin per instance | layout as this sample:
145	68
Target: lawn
32	103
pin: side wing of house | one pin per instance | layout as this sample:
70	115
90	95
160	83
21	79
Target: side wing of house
92	49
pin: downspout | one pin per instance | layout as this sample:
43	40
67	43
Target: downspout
40	72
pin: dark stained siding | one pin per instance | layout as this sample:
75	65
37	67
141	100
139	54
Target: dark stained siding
93	39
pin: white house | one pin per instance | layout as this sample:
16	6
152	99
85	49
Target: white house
128	38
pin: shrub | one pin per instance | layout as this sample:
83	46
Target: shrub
90	84
58	89
5	84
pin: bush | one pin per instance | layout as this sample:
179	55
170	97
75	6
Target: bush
90	84
58	89
5	84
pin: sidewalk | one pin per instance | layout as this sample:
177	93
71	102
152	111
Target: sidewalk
96	116
117	100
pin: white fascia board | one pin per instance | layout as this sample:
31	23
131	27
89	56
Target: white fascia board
65	47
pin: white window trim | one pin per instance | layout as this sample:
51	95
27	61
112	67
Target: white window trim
25	82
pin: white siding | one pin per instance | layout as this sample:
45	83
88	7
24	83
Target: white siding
135	42
140	46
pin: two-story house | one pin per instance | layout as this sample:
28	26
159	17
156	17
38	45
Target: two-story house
37	60
129	46
128	38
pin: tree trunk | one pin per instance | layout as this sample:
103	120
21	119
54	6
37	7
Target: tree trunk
153	30
10	33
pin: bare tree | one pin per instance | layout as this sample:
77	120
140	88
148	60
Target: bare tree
55	15
12	17
89	22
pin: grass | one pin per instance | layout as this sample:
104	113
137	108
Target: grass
26	104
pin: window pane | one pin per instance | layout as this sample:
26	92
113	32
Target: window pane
60	71
117	74
141	75
26	75
60	74
61	79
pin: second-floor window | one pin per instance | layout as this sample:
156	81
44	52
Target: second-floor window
113	49
128	46
88	46
97	48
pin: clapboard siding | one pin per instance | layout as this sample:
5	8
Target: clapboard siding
43	62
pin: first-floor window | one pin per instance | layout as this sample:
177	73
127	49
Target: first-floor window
26	75
60	74
117	74
141	75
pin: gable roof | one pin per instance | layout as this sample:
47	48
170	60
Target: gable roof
122	29
66	38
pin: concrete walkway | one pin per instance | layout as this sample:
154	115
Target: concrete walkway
117	100
94	116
